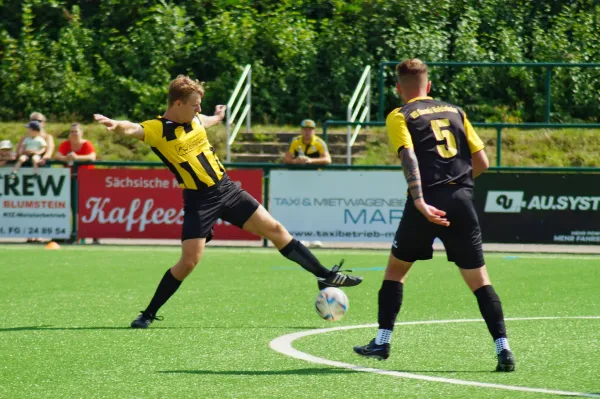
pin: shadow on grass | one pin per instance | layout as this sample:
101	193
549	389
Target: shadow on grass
307	371
51	328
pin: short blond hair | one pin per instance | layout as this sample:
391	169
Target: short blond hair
412	72
77	126
182	87
37	116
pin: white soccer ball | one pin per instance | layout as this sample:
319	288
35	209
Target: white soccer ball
332	304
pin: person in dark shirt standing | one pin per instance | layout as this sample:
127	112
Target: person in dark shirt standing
440	154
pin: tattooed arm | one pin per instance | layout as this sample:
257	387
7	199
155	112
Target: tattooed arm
410	167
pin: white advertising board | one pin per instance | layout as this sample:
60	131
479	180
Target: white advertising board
35	206
362	206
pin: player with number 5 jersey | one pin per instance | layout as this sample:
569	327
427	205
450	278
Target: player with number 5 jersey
440	154
442	138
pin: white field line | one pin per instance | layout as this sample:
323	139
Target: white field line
283	345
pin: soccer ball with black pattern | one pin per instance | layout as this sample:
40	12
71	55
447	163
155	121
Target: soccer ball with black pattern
331	304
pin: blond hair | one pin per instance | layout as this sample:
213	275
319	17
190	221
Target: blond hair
412	73
37	116
77	126
182	87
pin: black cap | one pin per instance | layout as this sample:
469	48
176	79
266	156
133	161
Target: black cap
34	125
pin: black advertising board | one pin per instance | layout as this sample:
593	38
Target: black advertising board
539	207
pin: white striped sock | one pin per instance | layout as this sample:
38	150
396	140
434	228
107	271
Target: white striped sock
501	343
383	336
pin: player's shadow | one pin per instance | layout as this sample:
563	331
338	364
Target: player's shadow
51	328
306	371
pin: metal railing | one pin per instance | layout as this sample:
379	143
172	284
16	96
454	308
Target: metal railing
363	89
497	126
267	167
246	81
547	65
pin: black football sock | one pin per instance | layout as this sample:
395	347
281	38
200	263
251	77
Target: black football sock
297	252
166	288
491	310
390	301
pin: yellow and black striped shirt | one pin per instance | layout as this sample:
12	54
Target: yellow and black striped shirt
185	150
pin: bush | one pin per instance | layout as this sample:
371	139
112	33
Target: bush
70	59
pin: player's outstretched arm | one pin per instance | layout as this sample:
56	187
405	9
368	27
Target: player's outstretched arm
410	166
219	115
123	128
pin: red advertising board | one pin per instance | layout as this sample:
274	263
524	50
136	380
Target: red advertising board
146	203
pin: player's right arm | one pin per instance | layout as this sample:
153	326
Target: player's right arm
123	128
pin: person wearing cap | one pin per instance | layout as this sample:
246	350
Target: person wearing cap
307	148
7	155
32	149
41	119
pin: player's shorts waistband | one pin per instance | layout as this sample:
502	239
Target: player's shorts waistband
446	187
209	190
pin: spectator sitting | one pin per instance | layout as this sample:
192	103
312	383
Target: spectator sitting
307	148
76	148
32	149
41	119
7	156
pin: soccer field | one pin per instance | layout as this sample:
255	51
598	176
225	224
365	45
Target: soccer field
64	329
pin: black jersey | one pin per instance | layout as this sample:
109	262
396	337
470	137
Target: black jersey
442	137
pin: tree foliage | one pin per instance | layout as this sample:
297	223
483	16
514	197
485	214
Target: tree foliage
70	58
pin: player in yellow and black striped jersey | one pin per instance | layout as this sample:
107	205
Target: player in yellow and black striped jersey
440	154
185	150
179	139
307	148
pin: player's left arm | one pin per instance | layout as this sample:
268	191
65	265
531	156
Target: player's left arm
208	121
479	157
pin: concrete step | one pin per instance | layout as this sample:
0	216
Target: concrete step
286	137
275	147
274	158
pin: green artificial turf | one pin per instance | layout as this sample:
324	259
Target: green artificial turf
65	316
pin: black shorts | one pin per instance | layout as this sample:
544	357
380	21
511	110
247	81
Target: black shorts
462	239
225	200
